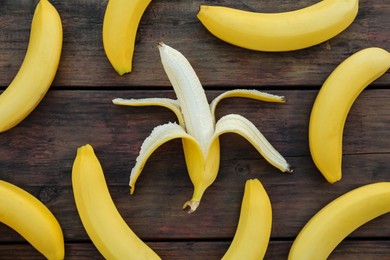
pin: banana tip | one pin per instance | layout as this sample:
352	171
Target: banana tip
202	8
122	72
290	169
333	181
190	206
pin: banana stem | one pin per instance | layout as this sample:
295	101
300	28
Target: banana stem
191	205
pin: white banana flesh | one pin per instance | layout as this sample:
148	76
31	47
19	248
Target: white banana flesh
327	228
253	232
29	217
190	94
38	69
197	127
286	31
98	213
332	105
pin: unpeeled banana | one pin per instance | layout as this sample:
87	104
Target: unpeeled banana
251	239
107	229
32	220
38	69
100	216
120	26
285	31
327	228
197	127
332	105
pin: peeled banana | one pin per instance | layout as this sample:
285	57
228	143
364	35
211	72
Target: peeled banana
38	69
285	31
251	239
101	219
326	229
197	127
333	103
32	220
120	26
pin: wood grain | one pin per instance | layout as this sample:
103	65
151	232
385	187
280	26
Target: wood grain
84	63
38	154
196	250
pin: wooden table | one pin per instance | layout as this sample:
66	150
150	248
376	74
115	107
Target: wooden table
38	154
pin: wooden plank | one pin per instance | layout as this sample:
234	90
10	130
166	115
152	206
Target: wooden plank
154	211
219	64
38	155
71	118
366	249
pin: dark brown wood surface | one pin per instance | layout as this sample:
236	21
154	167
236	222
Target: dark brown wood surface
38	154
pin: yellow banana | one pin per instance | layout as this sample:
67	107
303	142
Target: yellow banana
120	26
326	229
101	219
285	31
197	129
38	69
333	103
254	226
32	220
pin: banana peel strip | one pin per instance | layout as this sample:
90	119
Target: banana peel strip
238	124
160	135
169	103
245	93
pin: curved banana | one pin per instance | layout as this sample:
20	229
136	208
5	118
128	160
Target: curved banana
254	226
197	129
101	219
120	26
32	220
327	228
333	103
38	69
285	31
